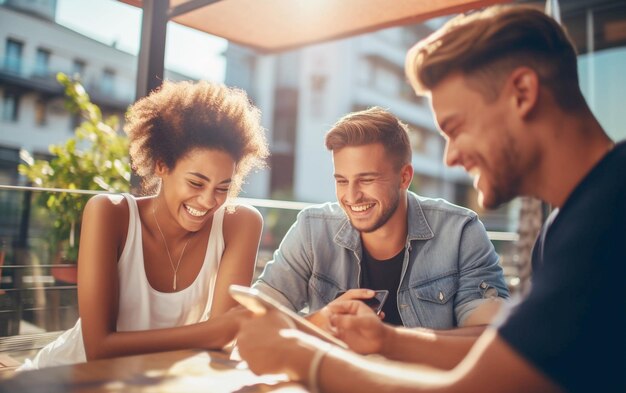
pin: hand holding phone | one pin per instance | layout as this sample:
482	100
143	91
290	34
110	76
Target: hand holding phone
376	303
259	303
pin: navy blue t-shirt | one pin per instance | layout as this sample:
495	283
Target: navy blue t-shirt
385	274
572	325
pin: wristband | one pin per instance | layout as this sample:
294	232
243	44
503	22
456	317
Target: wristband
314	368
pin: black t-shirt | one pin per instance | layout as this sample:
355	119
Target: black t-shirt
572	326
385	274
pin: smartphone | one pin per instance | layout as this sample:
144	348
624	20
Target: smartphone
376	303
258	302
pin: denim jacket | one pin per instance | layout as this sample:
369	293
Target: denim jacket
449	266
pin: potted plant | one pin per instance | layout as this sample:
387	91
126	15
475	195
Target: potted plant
95	158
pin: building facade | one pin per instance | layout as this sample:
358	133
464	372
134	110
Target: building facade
33	49
301	93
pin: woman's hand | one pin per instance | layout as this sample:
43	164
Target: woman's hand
232	320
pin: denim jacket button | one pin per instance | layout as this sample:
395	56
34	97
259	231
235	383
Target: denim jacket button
441	296
483	285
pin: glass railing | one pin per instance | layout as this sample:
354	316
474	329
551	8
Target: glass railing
38	290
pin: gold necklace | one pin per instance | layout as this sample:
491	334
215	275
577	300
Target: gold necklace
174	269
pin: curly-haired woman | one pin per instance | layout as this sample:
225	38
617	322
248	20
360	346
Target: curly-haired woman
154	271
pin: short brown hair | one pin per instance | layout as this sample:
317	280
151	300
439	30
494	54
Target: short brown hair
374	125
486	46
182	116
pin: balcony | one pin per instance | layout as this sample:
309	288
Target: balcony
17	74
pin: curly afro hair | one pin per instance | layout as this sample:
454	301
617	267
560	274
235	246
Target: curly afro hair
182	116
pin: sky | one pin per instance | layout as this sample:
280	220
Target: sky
187	51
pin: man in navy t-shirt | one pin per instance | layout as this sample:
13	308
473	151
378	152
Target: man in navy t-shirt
504	89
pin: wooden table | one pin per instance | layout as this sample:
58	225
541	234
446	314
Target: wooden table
185	371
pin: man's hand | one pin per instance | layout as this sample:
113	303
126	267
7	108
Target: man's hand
321	318
358	326
271	344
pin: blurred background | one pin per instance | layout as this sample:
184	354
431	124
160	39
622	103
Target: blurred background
300	92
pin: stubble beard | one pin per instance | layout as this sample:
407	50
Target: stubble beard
384	217
507	178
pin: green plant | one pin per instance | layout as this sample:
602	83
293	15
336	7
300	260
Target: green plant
95	158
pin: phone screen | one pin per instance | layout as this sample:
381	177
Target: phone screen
376	303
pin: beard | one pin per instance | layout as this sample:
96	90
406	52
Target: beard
506	179
385	215
495	198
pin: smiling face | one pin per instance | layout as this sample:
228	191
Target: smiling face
481	136
196	187
368	186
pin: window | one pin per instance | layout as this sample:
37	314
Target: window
364	73
598	30
318	98
386	80
42	62
10	106
41	112
407	93
418	137
9	159
107	83
13	56
78	68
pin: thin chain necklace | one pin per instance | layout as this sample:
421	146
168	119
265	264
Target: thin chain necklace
174	269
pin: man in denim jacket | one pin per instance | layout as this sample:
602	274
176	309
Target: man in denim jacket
435	259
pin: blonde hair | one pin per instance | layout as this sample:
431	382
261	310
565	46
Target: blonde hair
486	46
182	116
373	125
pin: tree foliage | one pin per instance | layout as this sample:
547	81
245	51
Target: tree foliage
95	158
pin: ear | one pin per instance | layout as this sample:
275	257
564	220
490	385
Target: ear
524	83
406	176
160	169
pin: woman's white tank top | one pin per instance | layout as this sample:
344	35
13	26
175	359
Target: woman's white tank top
141	307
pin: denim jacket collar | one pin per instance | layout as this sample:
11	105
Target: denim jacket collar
418	227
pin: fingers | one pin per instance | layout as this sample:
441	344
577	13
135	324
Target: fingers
357	293
343	307
264	342
353	307
270	321
348	321
343	322
259	333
